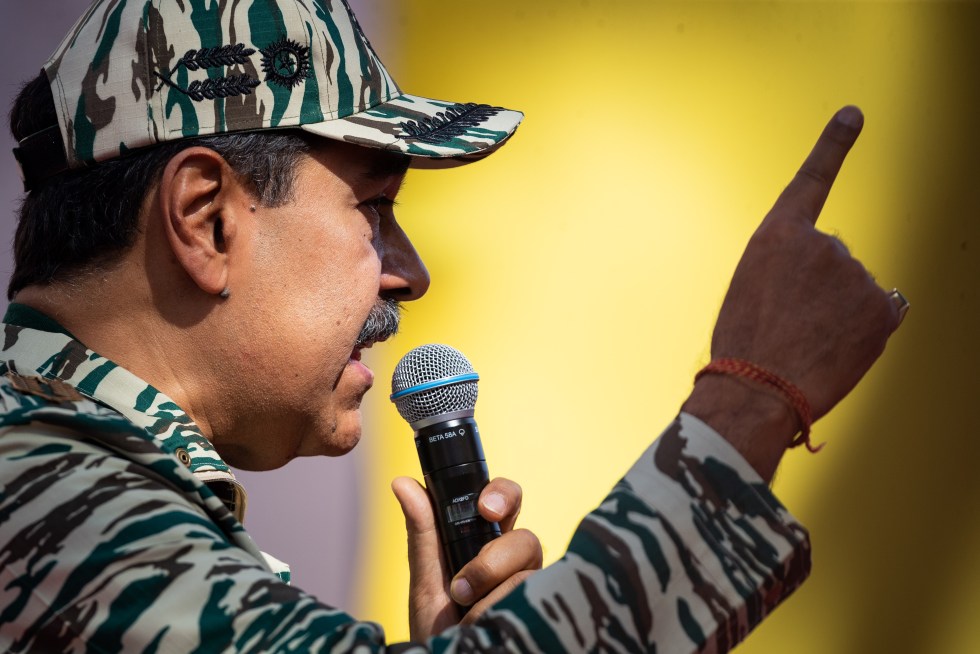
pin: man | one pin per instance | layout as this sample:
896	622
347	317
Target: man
206	247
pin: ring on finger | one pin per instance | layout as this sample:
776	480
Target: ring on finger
901	303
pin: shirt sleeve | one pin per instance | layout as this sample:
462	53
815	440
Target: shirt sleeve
688	552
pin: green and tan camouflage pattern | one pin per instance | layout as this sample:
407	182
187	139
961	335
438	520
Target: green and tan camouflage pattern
111	541
133	73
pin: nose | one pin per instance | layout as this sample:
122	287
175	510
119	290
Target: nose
403	275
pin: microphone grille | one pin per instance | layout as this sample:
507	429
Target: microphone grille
433	380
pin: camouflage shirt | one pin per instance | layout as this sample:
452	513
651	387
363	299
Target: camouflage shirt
118	533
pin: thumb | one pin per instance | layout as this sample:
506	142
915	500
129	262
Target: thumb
428	592
420	522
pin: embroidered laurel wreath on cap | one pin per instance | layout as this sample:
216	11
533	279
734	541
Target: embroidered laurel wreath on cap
133	74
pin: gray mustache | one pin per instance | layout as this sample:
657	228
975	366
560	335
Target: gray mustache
382	322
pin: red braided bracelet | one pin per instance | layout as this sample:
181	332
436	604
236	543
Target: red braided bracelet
748	370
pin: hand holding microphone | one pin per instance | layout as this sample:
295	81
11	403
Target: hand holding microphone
434	388
442	533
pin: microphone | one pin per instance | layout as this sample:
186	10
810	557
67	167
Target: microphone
434	389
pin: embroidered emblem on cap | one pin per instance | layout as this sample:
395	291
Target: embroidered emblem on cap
131	75
448	124
223	55
286	63
216	87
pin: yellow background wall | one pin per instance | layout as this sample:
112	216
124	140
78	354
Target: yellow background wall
581	268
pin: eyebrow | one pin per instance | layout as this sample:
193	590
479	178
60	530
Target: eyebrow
387	165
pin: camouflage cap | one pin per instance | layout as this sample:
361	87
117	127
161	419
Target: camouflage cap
133	73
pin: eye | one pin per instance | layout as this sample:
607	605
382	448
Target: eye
377	209
379	206
380	203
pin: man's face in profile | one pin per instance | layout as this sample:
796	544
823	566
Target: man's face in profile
316	270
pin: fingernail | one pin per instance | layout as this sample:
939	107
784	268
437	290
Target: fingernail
851	116
495	502
461	592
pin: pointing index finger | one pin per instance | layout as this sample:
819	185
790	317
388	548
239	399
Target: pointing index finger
805	195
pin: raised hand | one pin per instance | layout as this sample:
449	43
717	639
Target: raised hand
798	305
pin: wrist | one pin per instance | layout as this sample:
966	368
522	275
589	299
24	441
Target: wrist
756	420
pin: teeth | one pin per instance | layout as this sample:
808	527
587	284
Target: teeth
367	344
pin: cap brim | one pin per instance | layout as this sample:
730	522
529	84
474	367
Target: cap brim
434	133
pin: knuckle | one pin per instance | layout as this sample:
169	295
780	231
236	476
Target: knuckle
481	569
839	244
831	251
516	550
486	568
809	174
531	545
494	596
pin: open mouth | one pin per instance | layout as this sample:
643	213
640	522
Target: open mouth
356	353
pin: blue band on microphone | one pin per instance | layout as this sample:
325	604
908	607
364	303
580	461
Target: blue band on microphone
445	381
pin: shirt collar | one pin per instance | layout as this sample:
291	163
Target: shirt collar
34	343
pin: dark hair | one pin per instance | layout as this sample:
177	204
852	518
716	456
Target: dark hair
86	219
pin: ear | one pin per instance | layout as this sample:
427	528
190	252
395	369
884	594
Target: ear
202	203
